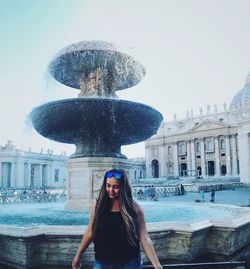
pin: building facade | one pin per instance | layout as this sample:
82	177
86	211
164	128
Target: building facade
27	169
137	170
211	144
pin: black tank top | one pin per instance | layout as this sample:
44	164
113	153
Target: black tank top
111	243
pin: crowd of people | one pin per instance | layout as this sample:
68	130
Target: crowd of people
146	193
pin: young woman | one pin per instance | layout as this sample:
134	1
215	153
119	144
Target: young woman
117	227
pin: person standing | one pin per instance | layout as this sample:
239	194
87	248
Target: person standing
182	190
202	194
117	227
212	195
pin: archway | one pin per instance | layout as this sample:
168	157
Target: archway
183	171
155	168
210	168
199	171
223	170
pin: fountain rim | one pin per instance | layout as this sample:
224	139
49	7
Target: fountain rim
76	47
68	100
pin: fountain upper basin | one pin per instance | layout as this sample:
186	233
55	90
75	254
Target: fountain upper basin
120	71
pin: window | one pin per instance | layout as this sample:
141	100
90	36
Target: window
56	175
169	150
170	168
182	148
155	151
222	144
210	145
198	147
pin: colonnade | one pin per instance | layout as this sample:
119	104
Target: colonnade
25	174
215	161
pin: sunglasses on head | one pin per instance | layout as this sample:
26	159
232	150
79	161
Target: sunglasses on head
116	174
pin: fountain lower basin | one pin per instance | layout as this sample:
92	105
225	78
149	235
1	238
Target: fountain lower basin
98	127
54	246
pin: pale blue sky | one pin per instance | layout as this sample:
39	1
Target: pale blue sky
195	52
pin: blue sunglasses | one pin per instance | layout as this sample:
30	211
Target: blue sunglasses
117	174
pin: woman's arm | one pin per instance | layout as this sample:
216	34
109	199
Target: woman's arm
145	239
86	239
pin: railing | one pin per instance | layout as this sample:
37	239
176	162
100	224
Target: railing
150	192
205	265
31	195
244	264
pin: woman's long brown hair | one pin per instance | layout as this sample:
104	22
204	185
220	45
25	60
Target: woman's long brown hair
104	203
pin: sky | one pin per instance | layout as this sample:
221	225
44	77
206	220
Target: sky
195	52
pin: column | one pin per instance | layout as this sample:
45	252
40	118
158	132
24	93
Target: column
203	161
189	168
244	153
50	181
29	174
228	156
234	155
21	174
25	174
1	175
175	157
40	175
12	175
193	166
162	165
147	160
18	174
217	156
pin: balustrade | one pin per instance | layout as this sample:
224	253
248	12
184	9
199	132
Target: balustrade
10	196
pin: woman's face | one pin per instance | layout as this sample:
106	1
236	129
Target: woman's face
112	187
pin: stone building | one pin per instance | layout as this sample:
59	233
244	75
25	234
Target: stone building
25	169
212	144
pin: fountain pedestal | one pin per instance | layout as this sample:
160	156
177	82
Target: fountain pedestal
85	176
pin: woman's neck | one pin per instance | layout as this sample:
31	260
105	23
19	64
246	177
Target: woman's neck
115	205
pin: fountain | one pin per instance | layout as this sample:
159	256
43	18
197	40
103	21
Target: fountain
97	122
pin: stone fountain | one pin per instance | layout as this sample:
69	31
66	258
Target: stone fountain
97	122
